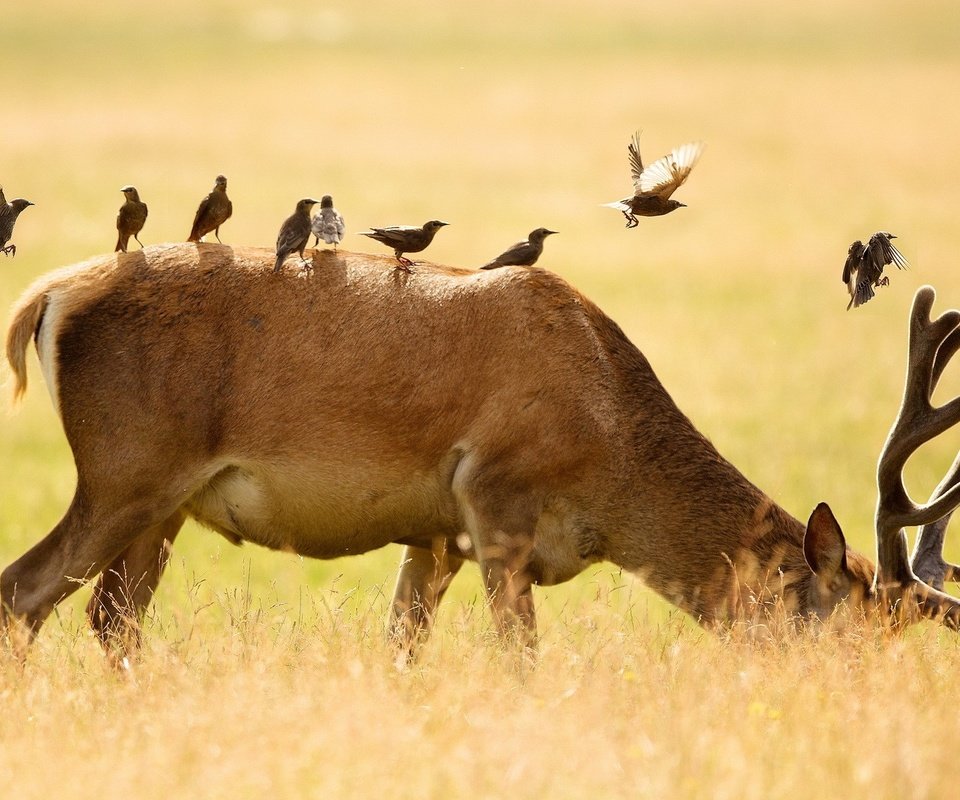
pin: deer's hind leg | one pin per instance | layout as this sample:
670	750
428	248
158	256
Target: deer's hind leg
126	586
91	535
423	579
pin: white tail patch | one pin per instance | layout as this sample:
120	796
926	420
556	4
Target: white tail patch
47	347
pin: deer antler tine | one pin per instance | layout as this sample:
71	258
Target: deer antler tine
950	346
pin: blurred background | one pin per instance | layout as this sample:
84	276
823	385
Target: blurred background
824	122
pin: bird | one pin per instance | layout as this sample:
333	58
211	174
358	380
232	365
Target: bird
863	268
8	218
214	210
522	254
130	218
653	185
295	232
328	224
406	239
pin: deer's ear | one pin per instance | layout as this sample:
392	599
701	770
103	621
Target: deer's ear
824	547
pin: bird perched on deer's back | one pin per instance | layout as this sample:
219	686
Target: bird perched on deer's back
214	210
406	239
522	254
653	185
8	218
130	218
328	224
863	269
295	232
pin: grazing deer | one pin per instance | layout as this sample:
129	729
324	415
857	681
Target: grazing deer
496	416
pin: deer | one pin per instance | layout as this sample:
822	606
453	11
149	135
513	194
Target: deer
498	417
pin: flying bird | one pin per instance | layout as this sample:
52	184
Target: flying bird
653	185
295	232
328	224
214	210
406	239
130	218
522	254
863	269
8	218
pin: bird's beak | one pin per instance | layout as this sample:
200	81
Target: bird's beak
549	232
444	223
681	205
892	236
30	204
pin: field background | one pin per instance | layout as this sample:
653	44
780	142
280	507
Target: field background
266	675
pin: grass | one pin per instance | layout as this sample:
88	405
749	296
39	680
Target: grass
264	672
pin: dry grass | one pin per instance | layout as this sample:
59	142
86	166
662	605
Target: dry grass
824	123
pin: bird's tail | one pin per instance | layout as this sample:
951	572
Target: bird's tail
491	265
619	205
121	244
863	294
279	265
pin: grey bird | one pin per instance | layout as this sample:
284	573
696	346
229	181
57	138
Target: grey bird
328	224
130	218
653	185
863	269
295	232
8	218
406	239
214	210
522	254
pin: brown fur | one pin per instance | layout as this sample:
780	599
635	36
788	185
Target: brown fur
337	410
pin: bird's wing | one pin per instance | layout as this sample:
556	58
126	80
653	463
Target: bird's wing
636	162
665	175
339	223
3	198
852	265
514	254
394	234
229	209
862	293
883	250
201	212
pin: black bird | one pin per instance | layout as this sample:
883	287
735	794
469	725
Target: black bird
295	232
863	268
130	218
653	185
328	224
406	239
522	254
8	218
214	210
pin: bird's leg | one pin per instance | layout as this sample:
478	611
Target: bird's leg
138	241
403	263
316	241
631	220
9	250
217	233
884	281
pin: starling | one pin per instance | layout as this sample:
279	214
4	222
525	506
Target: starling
295	232
130	218
214	210
864	266
328	224
8	218
653	185
522	254
406	239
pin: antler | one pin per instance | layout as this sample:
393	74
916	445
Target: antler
932	343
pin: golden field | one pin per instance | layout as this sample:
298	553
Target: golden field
267	675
